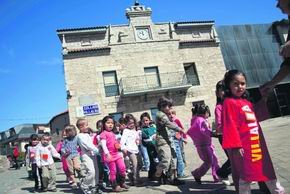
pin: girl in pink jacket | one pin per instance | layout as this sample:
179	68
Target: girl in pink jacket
200	133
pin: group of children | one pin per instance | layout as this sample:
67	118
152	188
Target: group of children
121	149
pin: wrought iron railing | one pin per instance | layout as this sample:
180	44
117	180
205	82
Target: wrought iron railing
155	82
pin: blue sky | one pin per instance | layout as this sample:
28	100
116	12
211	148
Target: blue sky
31	68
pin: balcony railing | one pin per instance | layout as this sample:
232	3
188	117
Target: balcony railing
136	85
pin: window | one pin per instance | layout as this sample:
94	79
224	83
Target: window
191	73
86	42
152	77
116	115
111	83
153	113
197	102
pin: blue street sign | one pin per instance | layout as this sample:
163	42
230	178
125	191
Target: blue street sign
91	109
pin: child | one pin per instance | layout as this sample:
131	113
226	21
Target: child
70	150
44	160
31	161
225	170
129	145
178	142
63	158
149	142
164	145
243	138
103	169
122	126
88	151
111	155
200	133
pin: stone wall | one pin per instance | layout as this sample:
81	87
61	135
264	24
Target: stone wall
128	56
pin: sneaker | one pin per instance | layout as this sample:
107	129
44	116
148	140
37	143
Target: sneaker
182	176
177	181
226	182
117	189
156	160
52	190
74	186
124	186
97	191
197	180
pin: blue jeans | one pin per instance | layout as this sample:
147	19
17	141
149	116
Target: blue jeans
145	157
180	163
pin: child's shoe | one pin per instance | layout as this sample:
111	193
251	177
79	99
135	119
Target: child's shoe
74	185
197	180
52	190
97	190
124	186
116	187
177	181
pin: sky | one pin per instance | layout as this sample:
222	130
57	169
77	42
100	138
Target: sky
32	82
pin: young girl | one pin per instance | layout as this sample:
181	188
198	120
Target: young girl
69	149
225	170
129	145
149	142
243	138
111	155
63	158
30	160
200	133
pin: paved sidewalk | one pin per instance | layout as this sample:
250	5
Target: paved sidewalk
277	134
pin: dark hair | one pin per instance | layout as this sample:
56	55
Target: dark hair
219	86
70	128
105	119
229	76
193	110
46	134
122	120
145	114
33	137
201	109
129	117
163	102
98	123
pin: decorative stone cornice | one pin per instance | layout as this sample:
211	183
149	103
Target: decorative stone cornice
193	24
99	29
92	49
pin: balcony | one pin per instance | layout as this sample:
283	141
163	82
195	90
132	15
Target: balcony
138	85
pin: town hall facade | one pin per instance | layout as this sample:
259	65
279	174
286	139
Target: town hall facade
119	69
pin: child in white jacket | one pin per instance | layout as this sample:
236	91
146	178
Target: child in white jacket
88	152
44	160
129	145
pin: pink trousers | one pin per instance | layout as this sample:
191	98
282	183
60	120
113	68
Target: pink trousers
114	165
65	167
207	155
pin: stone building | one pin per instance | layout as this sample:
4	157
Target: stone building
119	69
